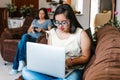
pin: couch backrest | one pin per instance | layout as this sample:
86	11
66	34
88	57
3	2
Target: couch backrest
27	21
30	18
105	63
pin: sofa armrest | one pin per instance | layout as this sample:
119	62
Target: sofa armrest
13	33
42	39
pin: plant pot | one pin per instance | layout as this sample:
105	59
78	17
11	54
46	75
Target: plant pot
11	15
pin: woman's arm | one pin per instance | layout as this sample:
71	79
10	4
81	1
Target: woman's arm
43	30
85	48
30	29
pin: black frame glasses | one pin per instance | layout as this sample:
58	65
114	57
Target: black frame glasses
62	23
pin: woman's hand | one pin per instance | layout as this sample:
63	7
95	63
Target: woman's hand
66	67
68	63
31	29
34	29
37	29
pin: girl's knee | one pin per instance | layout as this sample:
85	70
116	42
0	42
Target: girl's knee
75	75
25	35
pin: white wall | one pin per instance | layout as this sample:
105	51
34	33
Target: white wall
93	12
4	2
118	9
85	18
43	3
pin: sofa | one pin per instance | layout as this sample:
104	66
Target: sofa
104	64
11	36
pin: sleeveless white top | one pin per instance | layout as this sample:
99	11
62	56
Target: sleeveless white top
71	44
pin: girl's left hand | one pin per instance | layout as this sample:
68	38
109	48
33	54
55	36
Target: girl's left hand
66	67
38	29
67	63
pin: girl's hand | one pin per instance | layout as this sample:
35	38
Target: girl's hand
67	63
66	67
32	30
38	29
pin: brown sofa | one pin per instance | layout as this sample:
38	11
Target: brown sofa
105	63
10	38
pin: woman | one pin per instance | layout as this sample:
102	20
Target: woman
69	34
39	25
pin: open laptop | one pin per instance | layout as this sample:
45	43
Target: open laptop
46	59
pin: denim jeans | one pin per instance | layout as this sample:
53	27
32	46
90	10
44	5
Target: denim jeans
21	50
31	75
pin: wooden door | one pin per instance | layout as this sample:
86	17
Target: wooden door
106	5
3	19
19	3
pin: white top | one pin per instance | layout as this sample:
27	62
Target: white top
71	44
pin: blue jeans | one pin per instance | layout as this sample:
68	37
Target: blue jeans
31	75
21	50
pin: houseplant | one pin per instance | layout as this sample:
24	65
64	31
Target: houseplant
115	22
11	9
26	10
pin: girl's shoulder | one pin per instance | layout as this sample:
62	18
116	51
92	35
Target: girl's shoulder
79	30
52	30
35	20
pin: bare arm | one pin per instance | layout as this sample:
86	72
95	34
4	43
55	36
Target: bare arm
43	30
85	47
30	29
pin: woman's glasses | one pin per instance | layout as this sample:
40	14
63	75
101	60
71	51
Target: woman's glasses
62	23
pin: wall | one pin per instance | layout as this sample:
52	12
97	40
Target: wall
105	5
84	19
4	2
43	3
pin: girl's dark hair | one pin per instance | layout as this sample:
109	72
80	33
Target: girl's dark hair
67	9
46	13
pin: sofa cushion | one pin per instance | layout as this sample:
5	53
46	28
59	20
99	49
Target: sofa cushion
105	63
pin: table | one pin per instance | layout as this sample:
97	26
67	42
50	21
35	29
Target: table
15	22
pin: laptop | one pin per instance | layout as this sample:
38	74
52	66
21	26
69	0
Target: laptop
47	59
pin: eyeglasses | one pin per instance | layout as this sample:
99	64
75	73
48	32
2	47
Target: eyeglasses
62	23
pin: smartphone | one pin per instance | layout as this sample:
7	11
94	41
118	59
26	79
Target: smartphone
35	29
